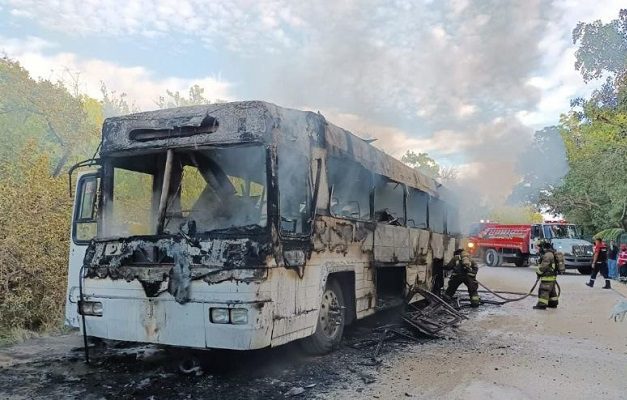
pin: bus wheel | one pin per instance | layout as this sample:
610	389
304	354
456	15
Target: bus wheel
492	258
331	317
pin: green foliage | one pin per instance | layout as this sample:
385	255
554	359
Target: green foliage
602	47
175	99
515	215
609	234
46	112
594	192
114	104
34	221
428	166
132	199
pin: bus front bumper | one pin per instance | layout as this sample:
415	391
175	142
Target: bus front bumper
164	321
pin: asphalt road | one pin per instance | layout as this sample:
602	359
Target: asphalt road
511	351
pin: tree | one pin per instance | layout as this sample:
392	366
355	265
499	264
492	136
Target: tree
175	99
46	112
594	192
428	166
602	47
515	215
114	104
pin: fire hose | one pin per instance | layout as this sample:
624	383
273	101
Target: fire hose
510	300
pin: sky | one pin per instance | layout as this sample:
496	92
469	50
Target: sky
467	82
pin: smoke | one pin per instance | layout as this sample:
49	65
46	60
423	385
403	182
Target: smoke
447	79
543	164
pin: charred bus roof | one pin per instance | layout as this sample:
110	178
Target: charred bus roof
228	123
252	122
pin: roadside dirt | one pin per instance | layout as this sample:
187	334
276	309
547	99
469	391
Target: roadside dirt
501	352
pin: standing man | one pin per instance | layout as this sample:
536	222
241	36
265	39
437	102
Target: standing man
612	255
464	271
622	263
550	264
599	263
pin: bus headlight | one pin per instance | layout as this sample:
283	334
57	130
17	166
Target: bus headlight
97	308
239	316
220	315
90	308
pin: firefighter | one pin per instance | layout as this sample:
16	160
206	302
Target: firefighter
599	263
464	271
551	264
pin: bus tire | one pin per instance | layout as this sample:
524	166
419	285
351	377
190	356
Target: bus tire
492	258
330	325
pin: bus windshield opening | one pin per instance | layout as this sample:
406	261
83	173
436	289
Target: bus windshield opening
216	188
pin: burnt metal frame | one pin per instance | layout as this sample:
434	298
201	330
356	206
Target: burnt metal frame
77	206
107	183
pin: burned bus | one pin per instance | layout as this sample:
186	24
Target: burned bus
246	225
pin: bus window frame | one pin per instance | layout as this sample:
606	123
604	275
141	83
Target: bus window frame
313	207
429	219
373	191
95	176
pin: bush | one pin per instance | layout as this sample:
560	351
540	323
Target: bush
35	212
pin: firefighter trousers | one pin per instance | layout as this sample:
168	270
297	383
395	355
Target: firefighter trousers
471	283
547	294
599	267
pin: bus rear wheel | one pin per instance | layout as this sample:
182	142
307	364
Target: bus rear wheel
330	326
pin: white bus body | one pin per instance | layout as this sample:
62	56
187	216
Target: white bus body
246	225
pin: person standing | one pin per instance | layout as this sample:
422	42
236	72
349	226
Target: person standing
612	255
622	263
599	263
552	263
464	271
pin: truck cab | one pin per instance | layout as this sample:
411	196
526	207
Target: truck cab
566	238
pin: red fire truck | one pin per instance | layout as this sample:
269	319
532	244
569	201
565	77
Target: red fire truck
498	243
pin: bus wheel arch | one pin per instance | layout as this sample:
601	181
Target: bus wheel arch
331	320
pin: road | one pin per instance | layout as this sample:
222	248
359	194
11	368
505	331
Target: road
511	351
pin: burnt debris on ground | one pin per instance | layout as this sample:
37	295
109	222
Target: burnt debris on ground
417	321
128	371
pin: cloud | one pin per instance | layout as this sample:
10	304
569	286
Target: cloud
236	24
139	83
